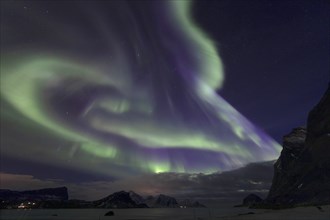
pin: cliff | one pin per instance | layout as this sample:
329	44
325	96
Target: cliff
162	201
119	200
131	199
302	172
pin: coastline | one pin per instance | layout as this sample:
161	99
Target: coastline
301	213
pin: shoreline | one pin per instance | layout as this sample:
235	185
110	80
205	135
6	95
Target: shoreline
301	213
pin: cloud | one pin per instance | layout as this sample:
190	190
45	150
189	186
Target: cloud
25	182
253	178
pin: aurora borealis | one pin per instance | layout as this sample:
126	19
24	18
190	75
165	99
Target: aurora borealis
119	88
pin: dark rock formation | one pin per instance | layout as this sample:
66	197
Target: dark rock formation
187	203
58	198
251	199
110	213
318	123
285	168
136	197
58	194
165	201
131	199
118	200
162	201
248	213
302	172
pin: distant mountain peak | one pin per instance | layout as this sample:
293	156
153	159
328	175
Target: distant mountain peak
59	193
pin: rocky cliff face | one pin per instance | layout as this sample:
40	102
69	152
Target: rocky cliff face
285	168
162	201
187	203
131	199
120	200
318	129
302	172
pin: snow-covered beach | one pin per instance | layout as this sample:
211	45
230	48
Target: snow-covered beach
225	213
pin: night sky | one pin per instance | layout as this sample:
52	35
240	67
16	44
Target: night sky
95	91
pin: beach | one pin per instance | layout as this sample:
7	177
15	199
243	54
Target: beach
224	213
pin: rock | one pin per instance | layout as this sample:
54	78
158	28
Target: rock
251	199
118	200
319	121
302	172
110	213
57	198
131	199
136	197
187	203
248	213
285	167
320	208
162	201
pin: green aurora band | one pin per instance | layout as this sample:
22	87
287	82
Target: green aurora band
27	79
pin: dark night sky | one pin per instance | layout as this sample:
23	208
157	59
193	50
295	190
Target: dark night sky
276	56
63	118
